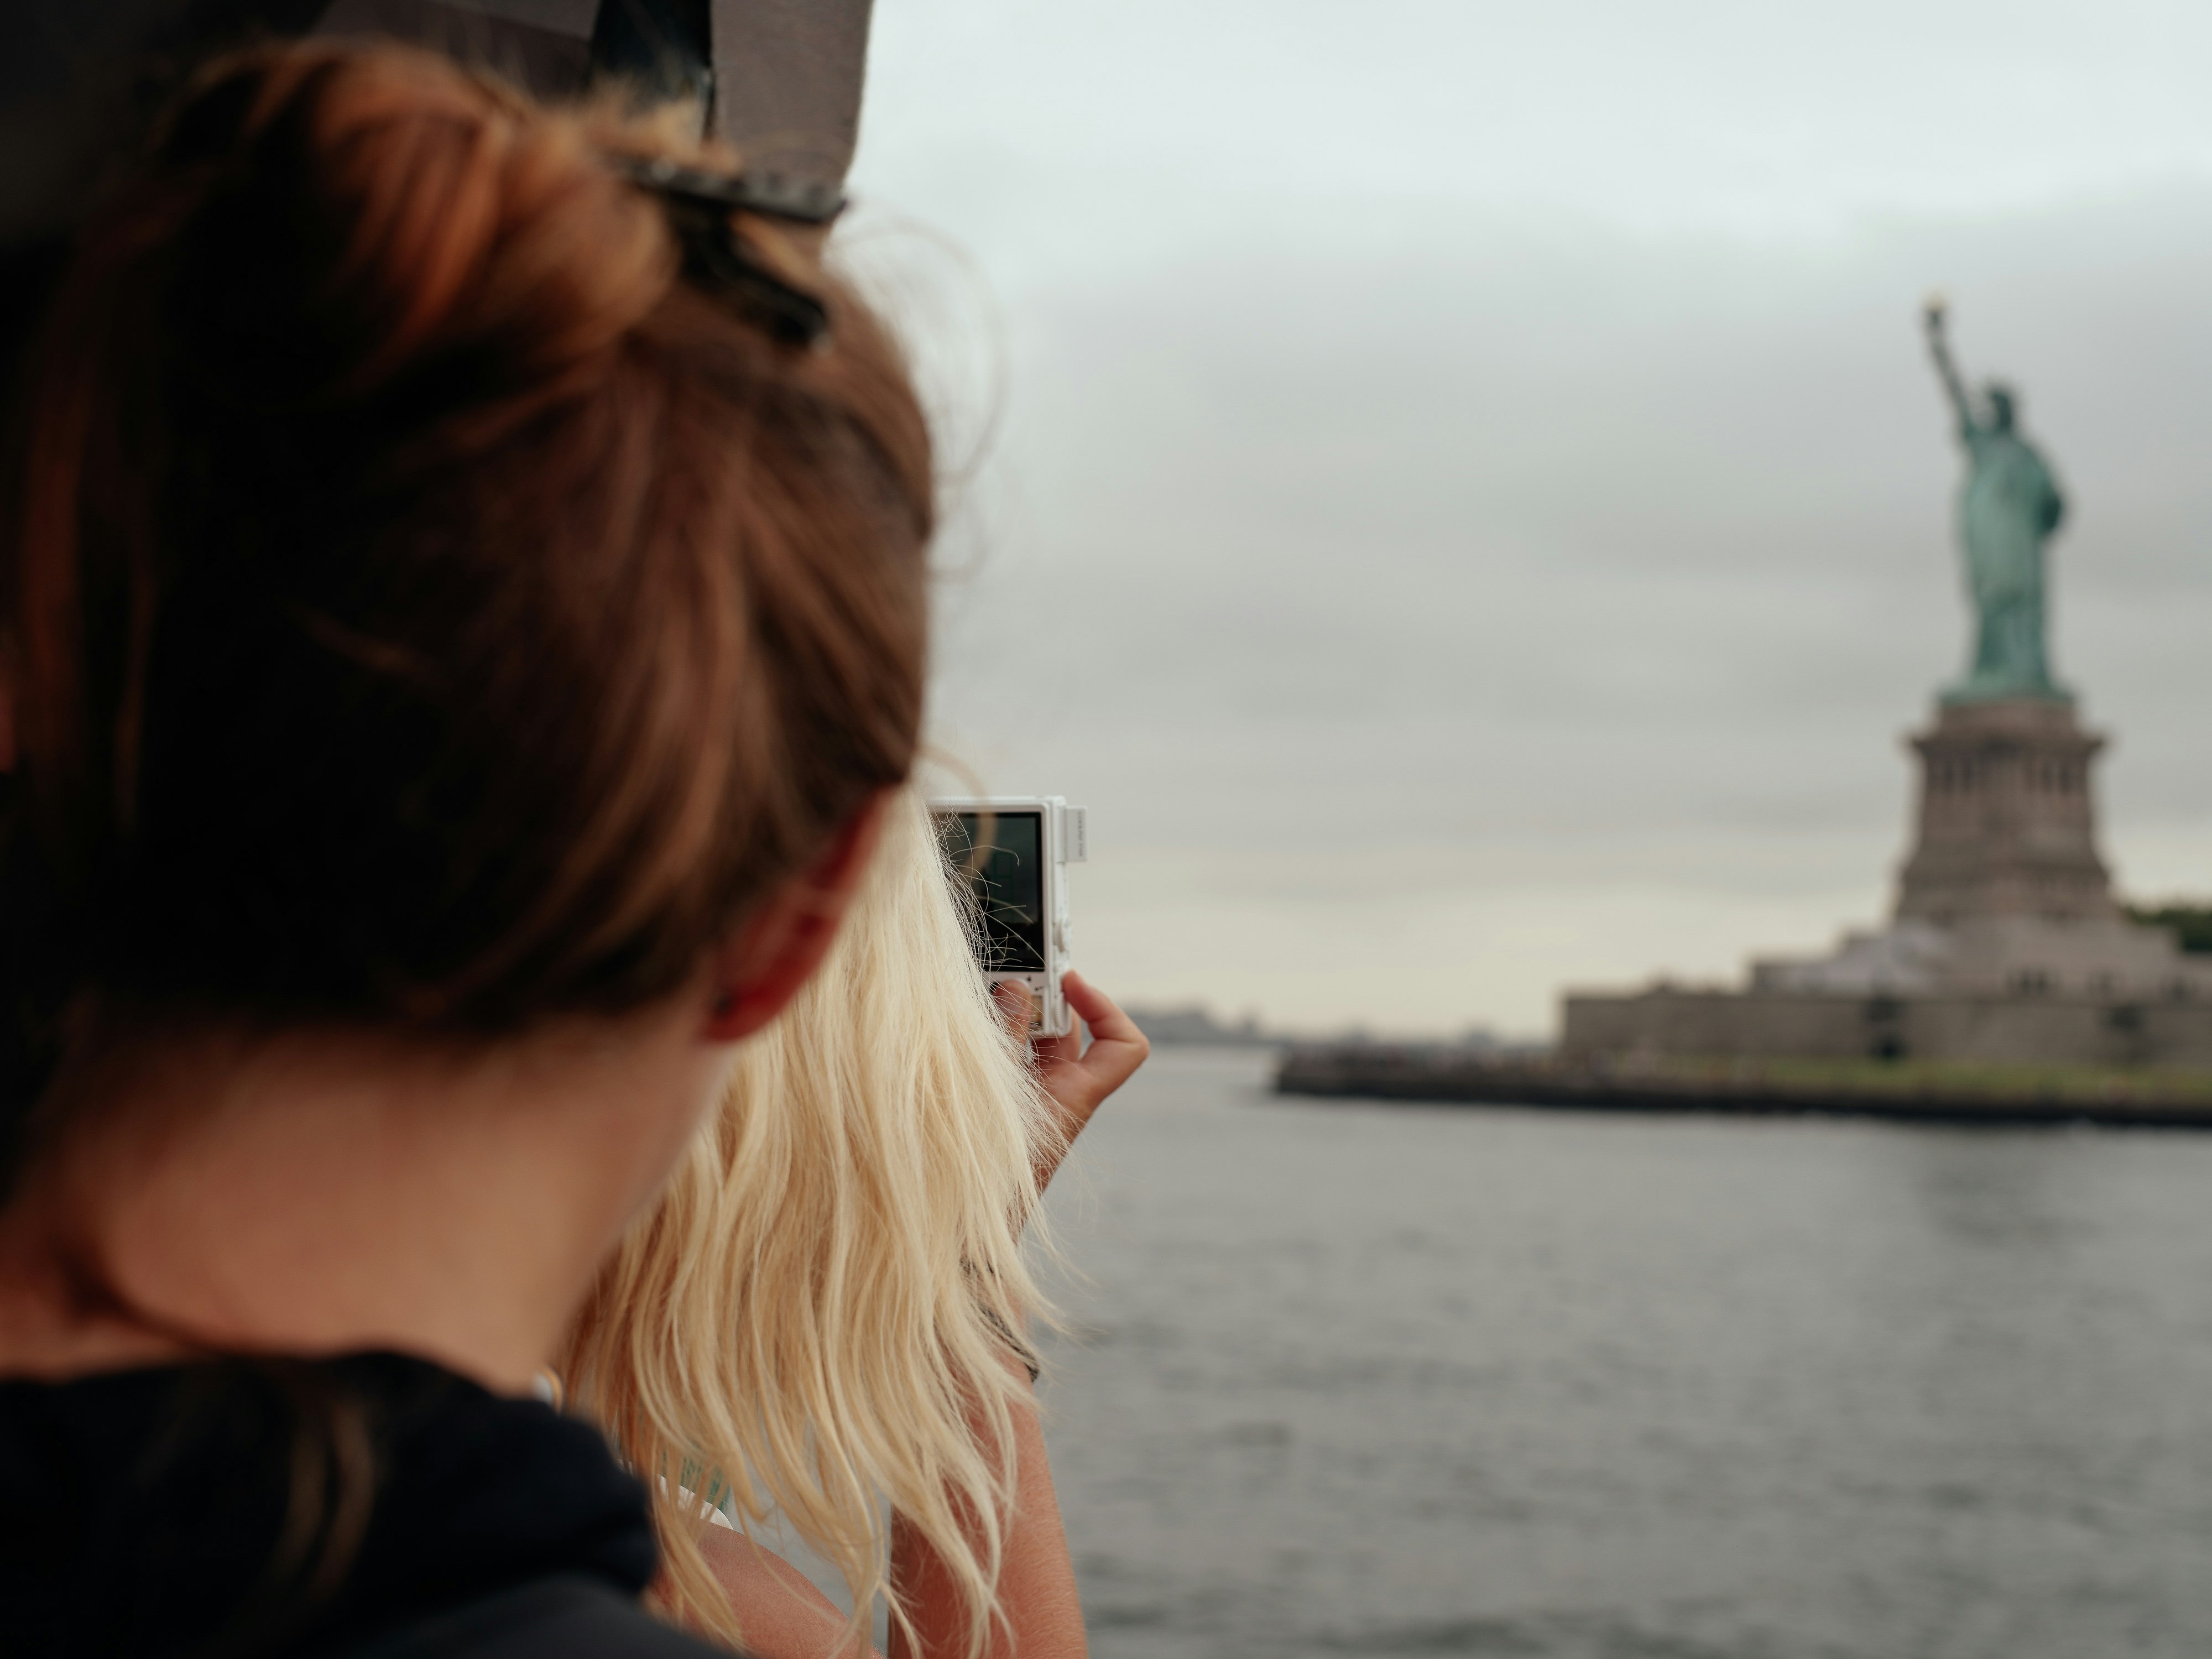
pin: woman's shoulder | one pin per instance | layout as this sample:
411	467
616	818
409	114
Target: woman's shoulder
160	1510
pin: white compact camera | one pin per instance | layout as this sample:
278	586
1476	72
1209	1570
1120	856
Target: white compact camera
1014	852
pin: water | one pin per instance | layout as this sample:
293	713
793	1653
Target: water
1356	1380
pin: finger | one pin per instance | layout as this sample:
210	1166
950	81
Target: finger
1117	1046
1102	1069
1099	1011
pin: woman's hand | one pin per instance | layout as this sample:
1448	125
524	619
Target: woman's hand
1078	1078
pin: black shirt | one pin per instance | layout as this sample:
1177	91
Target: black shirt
373	1504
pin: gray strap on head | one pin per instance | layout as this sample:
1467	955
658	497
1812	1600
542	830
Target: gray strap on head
787	79
780	79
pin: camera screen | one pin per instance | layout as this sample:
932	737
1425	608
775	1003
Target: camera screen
1006	875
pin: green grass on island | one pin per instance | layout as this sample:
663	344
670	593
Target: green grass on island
1939	1079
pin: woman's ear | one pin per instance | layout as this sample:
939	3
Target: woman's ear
782	944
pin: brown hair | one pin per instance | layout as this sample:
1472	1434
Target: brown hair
421	605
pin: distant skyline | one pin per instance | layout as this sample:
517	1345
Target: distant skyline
1464	502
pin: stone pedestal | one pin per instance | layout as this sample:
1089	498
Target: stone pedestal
2006	820
2007	945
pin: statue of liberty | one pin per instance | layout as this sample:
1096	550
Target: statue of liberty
2008	505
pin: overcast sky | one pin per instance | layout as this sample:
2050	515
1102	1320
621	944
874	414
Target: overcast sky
1455	488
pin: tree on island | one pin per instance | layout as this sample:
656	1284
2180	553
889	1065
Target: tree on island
2190	921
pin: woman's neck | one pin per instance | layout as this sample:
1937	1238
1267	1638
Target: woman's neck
317	1192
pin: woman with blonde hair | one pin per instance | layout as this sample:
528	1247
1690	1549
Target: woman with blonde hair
821	1318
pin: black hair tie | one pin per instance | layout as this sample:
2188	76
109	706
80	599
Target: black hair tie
699	205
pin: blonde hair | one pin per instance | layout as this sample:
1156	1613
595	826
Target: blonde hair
816	1318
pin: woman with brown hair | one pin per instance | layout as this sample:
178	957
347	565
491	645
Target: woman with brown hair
461	611
818	1329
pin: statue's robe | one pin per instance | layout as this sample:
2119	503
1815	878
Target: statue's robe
2010	505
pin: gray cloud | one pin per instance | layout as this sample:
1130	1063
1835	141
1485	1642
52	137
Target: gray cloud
1435	599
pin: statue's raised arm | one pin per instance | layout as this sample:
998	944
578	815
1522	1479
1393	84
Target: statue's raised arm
1932	316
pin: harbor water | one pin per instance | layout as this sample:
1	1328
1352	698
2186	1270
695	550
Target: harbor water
1390	1380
